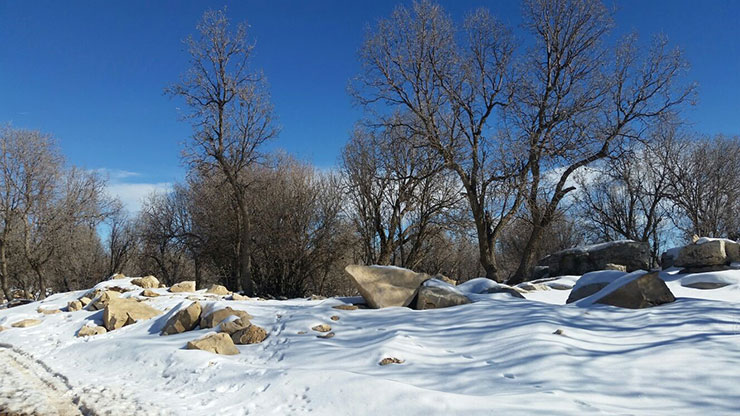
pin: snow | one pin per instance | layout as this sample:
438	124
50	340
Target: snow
499	354
709	239
595	247
601	276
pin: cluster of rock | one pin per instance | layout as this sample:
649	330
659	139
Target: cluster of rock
703	255
625	255
386	286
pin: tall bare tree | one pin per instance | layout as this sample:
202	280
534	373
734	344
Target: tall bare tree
577	101
452	87
231	113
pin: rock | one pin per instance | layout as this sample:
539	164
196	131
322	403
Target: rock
249	335
435	294
704	269
326	336
385	286
617	267
215	318
694	238
345	307
233	326
334	318
85	301
236	296
644	291
558	332
118	276
711	253
88	330
186	286
317	297
446	279
581	260
391	360
147	282
217	290
74	305
533	287
322	328
219	343
732	249
705	285
102	300
149	293
505	289
120	312
2	328
184	320
592	282
540	272
26	323
48	311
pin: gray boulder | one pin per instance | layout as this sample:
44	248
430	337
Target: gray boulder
434	294
711	253
645	291
633	255
593	282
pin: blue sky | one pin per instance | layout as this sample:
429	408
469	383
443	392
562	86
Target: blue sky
92	73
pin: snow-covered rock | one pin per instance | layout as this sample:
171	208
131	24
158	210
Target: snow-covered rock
706	254
218	343
186	286
146	282
120	312
633	255
434	294
214	318
636	290
184	320
593	282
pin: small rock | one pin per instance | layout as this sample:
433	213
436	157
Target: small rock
48	311
233	326
26	323
218	290
149	293
219	343
301	332
334	318
2	328
317	297
85	301
215	318
612	266
705	285
345	307
74	305
236	296
118	276
102	300
558	332
249	335
446	279
186	286
391	360
121	312
87	331
184	320
322	328
147	282
326	336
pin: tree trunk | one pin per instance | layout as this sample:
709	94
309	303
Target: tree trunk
527	262
42	283
245	257
4	272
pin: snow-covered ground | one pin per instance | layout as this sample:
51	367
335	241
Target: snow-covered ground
498	355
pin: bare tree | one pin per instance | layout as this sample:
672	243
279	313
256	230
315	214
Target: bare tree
577	101
452	89
121	238
231	114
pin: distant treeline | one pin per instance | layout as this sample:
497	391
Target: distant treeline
476	156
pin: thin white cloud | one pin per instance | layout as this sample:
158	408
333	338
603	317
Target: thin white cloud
116	175
132	195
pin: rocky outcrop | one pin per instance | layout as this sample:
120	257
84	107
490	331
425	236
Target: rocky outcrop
249	335
219	343
146	282
184	320
26	323
102	300
121	312
186	286
645	291
632	255
218	290
89	330
590	283
214	318
385	286
434	294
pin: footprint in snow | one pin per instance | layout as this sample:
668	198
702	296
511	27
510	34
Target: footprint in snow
509	376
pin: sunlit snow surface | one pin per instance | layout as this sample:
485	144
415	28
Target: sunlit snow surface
497	355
